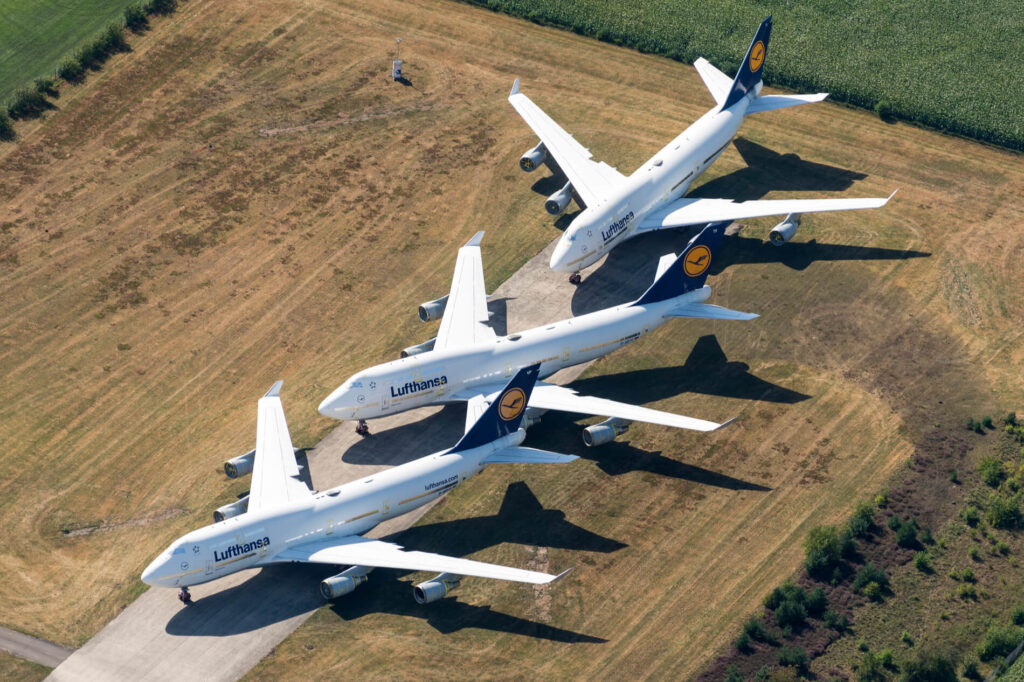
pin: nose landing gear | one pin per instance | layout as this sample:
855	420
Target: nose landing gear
575	278
362	429
185	596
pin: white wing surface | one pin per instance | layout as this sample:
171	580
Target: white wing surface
717	83
689	211
476	406
551	397
275	475
592	180
359	551
464	322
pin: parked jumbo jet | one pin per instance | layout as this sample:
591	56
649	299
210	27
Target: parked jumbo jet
466	359
282	520
617	208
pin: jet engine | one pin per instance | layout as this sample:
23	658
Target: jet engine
230	510
532	416
419	348
533	158
785	230
605	432
343	583
239	466
557	202
433	310
435	588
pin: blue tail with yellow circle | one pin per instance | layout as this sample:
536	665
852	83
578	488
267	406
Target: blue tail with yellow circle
749	74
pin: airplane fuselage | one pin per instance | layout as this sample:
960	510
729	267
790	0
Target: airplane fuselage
436	376
254	538
663	178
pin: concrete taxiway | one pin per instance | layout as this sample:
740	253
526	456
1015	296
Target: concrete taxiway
236	621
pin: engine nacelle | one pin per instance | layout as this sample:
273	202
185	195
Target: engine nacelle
419	348
230	510
557	202
241	465
433	310
435	588
533	158
343	583
532	416
605	432
785	230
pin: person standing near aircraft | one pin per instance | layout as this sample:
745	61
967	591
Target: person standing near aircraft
617	208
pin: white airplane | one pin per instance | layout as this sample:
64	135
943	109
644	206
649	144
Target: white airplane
617	208
466	359
282	520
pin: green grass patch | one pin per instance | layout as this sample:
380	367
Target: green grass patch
921	62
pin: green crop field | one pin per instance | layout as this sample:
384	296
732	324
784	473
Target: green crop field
35	35
942	64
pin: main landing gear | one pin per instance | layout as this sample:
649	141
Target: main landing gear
185	596
362	429
575	278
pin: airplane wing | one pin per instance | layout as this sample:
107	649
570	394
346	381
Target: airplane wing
275	475
690	211
593	181
551	397
465	316
717	83
358	551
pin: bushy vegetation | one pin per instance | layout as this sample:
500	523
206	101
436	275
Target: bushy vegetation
825	548
862	522
999	641
27	104
912	61
1003	511
870	575
992	471
792	604
135	18
6	129
793	656
929	666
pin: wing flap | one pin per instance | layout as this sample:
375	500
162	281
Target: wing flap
359	551
593	181
275	471
464	322
690	211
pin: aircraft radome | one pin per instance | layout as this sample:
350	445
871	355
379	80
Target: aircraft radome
467	360
282	520
617	208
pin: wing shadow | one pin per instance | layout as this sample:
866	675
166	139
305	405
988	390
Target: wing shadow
706	371
740	250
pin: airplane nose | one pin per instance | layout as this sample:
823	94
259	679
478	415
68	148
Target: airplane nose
560	257
149	576
333	406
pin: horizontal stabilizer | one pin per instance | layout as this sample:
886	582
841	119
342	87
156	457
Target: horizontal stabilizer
709	312
521	455
717	83
772	102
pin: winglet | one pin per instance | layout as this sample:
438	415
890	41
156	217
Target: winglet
515	88
275	390
724	424
476	239
892	195
561	575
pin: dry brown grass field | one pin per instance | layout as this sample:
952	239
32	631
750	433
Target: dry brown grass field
248	197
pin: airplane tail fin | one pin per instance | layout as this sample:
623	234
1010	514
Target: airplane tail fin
690	270
749	74
504	415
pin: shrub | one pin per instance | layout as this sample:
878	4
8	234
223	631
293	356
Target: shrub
971	669
894	522
999	641
791	613
967	591
986	421
793	656
974	553
1017	617
71	70
1003	511
27	104
885	658
971	515
862	644
743	643
112	40
6	129
882	499
1002	548
906	638
862	521
970	423
884	110
824	550
733	674
992	471
873	591
135	18
160	6
926	536
870	669
929	666
967	575
754	629
953	477
816	602
906	536
1010	419
869	573
44	86
922	562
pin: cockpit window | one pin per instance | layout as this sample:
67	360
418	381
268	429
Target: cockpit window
571	235
180	549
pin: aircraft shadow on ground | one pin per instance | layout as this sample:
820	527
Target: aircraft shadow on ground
428	435
706	371
629	268
288	590
497	309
